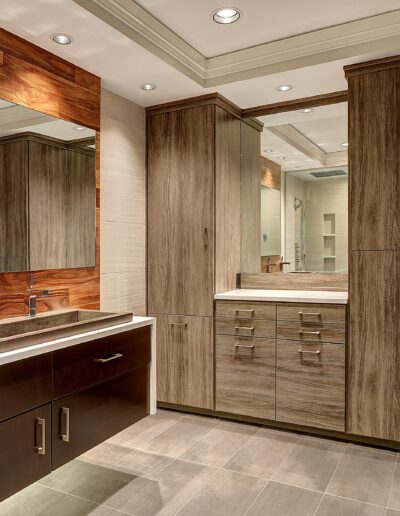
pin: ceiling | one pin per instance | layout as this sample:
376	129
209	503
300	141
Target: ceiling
124	62
262	21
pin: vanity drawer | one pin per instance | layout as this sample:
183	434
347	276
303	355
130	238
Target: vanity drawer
292	330
310	384
25	384
312	313
83	365
245	376
245	328
245	310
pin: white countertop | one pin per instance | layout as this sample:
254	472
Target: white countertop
290	296
73	340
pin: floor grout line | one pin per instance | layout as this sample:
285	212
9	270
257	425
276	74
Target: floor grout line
392	482
256	498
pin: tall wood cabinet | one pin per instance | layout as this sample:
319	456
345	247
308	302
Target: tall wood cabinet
374	218
194	235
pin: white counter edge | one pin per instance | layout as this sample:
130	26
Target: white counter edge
288	296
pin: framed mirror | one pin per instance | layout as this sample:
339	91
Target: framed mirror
47	192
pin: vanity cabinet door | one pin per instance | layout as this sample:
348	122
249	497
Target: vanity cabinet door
185	361
25	450
310	384
86	419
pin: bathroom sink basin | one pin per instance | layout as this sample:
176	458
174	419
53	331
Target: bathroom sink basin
21	332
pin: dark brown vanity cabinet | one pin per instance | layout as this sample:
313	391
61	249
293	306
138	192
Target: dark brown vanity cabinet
56	406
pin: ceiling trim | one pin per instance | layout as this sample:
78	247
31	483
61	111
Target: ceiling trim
296	139
373	34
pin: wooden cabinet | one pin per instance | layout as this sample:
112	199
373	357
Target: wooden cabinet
25	450
185	360
89	417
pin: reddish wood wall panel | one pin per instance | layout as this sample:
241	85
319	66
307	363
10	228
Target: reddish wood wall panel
37	79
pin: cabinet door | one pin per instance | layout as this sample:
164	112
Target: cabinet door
185	361
310	384
25	454
180	212
85	419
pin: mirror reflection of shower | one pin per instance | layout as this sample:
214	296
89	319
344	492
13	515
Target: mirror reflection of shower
300	206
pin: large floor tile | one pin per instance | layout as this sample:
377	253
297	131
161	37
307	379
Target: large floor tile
263	453
89	481
167	491
394	497
335	506
391	512
220	444
38	500
311	463
365	475
106	454
228	493
283	500
178	438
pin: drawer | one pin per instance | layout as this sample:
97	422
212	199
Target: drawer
245	376
83	365
245	328
25	384
292	330
245	310
310	384
312	313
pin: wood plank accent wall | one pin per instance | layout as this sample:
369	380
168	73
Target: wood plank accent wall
374	217
37	79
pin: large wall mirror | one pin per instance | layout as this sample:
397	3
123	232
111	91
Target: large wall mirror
47	192
304	190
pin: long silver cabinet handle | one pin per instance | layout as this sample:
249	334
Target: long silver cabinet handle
316	314
237	346
251	312
247	328
40	436
64	424
115	356
318	352
304	332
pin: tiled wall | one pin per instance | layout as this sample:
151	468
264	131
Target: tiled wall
123	205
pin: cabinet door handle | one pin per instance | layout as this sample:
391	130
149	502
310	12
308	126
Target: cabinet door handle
246	328
64	424
178	324
304	332
40	437
237	346
318	352
205	234
115	356
251	312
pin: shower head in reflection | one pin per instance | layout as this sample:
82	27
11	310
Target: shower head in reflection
298	203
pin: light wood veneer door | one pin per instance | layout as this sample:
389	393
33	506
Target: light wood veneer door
185	361
310	384
181	212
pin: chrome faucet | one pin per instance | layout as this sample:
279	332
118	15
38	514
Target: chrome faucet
32	305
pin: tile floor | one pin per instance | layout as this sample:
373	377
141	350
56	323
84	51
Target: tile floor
188	465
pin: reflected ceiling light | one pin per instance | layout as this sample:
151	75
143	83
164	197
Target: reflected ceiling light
284	87
79	128
345	144
61	39
306	110
226	15
148	86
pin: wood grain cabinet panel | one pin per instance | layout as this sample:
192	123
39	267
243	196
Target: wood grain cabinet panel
21	437
312	332
245	310
312	313
245	328
374	345
185	360
310	384
181	212
245	376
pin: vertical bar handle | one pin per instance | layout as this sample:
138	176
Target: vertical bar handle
64	424
205	238
40	436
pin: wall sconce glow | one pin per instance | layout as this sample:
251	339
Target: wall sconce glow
61	39
284	87
147	86
226	15
345	144
306	110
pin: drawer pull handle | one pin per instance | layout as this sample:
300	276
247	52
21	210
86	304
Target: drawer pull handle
246	328
64	424
316	314
251	312
318	352
237	346
184	324
40	436
109	359
304	332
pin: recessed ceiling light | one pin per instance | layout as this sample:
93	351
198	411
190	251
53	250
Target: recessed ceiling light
79	128
345	144
226	15
268	151
281	157
61	39
284	87
148	86
306	110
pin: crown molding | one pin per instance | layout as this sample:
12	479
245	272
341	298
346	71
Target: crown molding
373	34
